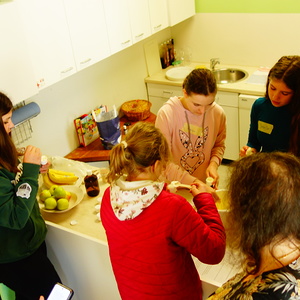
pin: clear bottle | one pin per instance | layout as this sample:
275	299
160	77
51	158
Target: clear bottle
91	184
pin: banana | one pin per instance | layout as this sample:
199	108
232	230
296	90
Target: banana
47	181
61	172
62	177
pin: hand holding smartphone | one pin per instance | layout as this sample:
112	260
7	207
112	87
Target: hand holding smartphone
60	292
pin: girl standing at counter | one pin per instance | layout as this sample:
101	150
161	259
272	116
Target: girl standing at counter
275	119
195	128
153	233
24	265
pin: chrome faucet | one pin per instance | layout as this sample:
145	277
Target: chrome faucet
213	63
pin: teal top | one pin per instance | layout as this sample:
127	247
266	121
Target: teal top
22	228
270	127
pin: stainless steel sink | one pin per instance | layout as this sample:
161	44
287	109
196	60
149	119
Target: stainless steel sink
229	75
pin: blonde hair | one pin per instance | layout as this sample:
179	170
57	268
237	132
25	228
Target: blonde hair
143	145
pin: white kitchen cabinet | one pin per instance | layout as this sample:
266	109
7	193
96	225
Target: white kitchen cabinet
180	10
49	41
87	26
245	105
139	19
158	94
16	72
229	102
118	24
158	15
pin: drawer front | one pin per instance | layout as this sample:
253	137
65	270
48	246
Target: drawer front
227	99
246	101
163	91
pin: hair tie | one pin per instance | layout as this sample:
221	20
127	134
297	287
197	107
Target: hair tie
125	144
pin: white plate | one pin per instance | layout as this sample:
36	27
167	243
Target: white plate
76	197
178	73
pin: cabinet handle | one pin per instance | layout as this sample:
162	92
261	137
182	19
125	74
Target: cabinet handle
158	26
66	70
168	92
126	42
85	61
139	35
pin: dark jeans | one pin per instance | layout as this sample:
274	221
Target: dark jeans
30	277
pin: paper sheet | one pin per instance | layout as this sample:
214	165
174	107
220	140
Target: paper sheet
220	273
259	77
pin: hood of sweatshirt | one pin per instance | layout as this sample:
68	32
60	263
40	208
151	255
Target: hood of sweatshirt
130	198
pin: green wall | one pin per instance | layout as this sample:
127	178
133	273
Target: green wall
247	6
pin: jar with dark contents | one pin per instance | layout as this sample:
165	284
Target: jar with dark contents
91	184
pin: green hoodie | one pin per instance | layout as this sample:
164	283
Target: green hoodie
22	228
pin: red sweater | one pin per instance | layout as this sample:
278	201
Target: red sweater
151	254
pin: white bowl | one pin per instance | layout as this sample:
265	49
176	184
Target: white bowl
76	197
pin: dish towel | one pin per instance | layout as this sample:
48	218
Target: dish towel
25	113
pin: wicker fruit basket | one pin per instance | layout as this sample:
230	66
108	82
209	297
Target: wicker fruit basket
136	110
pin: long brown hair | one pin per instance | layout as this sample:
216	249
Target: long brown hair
287	69
8	151
144	144
264	192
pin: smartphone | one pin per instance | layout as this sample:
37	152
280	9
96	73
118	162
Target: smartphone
60	292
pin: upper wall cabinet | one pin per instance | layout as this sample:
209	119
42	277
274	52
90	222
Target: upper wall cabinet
118	24
180	10
87	26
158	15
139	19
49	40
16	72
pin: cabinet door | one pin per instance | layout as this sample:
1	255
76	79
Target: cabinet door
229	102
118	24
139	19
16	72
180	10
158	15
49	40
88	31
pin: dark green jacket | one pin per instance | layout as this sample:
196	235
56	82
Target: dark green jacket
22	228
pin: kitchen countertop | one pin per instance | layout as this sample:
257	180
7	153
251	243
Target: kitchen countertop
95	151
84	214
242	86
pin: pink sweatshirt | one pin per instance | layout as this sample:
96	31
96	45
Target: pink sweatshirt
194	140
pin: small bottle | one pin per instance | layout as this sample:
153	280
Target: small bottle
91	184
210	181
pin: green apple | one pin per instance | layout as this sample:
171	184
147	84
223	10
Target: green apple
62	204
53	188
44	195
50	203
59	192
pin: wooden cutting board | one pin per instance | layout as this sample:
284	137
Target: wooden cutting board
151	50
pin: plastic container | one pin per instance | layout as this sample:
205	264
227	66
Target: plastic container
91	184
209	181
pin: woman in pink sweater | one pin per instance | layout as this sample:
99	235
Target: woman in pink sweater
152	234
195	128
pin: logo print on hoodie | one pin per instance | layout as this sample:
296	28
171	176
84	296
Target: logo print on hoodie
194	156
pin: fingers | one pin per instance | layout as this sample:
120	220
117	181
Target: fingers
32	155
